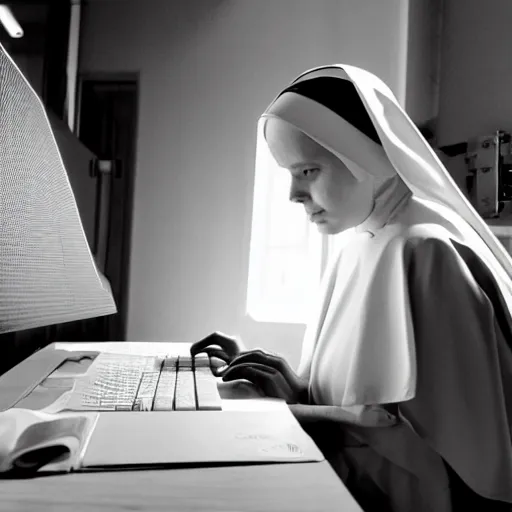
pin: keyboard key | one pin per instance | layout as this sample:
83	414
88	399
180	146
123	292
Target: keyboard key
143	404
208	398
185	362
164	397
163	403
170	362
185	398
202	360
124	407
148	383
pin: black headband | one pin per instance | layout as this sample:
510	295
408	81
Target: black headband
341	97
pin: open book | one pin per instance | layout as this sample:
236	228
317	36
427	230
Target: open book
32	441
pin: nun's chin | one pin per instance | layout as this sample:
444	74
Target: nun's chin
328	228
325	228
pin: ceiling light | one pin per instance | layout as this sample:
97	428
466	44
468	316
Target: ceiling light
9	22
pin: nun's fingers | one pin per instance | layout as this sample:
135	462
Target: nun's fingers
269	380
259	375
226	343
218	357
259	356
219	371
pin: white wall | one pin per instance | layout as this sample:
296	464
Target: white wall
208	69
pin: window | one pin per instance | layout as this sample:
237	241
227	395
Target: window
287	253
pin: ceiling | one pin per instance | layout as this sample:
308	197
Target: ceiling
32	16
29	11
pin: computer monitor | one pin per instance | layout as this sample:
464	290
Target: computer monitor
47	272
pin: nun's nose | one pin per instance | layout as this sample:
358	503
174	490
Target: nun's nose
297	193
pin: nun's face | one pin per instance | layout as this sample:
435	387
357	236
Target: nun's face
332	197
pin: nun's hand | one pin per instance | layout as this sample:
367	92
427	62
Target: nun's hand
270	373
220	347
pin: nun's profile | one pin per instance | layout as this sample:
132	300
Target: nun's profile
406	366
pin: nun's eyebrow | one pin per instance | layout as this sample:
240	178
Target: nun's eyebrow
301	165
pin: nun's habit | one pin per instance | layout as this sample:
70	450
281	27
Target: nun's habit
414	313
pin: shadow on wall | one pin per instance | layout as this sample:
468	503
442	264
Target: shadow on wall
205	10
195	16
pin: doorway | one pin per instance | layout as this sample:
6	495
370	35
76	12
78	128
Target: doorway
107	126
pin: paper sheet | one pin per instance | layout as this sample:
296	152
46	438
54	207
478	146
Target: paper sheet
201	437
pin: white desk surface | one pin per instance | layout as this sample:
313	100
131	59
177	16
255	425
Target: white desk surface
292	487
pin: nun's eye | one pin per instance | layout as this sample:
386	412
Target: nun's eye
308	173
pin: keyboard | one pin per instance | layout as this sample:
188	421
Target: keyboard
128	382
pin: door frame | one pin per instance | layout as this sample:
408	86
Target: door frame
118	77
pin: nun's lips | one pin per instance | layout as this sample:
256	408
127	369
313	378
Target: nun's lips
316	216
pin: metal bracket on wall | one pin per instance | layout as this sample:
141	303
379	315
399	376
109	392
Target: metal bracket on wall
101	166
103	170
489	162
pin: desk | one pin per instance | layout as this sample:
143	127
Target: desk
276	487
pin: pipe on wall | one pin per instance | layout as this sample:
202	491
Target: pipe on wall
72	63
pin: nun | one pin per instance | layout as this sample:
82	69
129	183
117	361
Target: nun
405	377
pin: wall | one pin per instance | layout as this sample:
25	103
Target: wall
208	69
423	59
32	68
476	73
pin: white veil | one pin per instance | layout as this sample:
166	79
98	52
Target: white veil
412	158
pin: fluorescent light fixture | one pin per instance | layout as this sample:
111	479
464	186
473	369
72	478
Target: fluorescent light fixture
9	22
